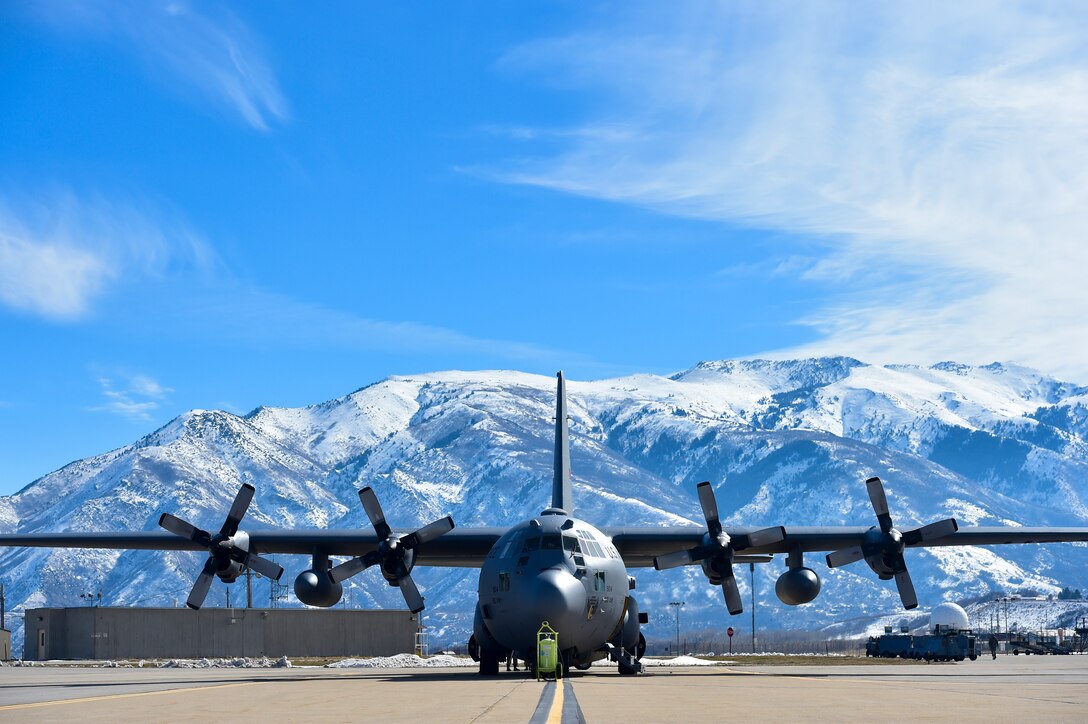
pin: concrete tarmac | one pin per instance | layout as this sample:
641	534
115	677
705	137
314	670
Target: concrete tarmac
1050	688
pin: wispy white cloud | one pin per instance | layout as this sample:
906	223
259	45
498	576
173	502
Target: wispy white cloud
938	154
227	310
133	397
62	257
60	252
205	47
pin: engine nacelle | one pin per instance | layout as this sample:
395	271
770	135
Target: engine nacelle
229	572
797	585
390	573
314	588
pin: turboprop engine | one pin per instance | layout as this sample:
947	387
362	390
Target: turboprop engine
228	550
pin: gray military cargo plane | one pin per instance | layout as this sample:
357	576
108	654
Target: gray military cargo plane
553	567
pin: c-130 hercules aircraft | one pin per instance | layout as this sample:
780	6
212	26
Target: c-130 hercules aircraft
553	567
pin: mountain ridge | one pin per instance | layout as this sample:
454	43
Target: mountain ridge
785	442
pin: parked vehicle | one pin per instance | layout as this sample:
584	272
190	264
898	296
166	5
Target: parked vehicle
942	645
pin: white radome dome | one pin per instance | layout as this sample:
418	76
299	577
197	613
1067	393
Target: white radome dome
949	615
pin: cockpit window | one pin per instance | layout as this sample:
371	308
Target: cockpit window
590	545
531	544
551	542
571	546
506	546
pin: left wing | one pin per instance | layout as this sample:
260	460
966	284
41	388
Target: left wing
461	547
231	550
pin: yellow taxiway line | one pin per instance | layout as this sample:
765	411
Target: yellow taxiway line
108	697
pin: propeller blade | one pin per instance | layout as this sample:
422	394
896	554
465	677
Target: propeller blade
933	531
179	527
906	589
732	595
672	560
710	509
347	569
845	556
201	586
411	594
765	537
428	532
374	511
880	503
237	510
265	567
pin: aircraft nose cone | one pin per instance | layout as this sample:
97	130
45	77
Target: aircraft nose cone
559	598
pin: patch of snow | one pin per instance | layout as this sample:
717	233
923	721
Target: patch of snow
403	661
241	662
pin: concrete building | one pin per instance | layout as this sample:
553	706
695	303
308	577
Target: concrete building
5	644
157	633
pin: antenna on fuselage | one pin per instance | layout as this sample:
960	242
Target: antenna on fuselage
561	488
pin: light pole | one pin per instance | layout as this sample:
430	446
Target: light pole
677	605
752	573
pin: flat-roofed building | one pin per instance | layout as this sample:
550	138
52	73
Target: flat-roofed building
162	633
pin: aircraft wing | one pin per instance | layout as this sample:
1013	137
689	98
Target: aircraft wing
639	546
461	547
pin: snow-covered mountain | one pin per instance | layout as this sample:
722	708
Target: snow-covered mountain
783	442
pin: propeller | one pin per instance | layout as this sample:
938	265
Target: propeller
718	548
886	544
225	548
392	551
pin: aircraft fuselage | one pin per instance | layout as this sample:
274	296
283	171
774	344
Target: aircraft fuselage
557	569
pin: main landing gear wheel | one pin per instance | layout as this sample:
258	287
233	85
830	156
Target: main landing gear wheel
489	663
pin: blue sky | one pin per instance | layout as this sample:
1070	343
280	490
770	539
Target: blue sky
227	205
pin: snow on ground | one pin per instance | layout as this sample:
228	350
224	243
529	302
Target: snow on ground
402	661
237	663
682	661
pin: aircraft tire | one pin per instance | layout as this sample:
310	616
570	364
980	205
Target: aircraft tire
489	663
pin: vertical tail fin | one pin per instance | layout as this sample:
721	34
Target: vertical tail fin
561	488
